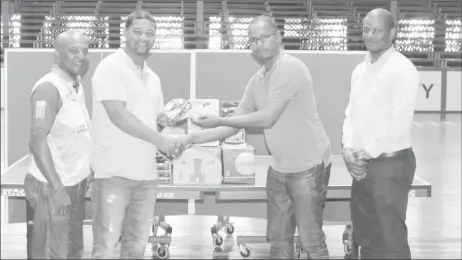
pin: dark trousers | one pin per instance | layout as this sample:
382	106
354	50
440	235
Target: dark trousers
297	200
56	236
378	207
122	208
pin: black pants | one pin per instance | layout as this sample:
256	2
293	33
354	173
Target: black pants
378	207
56	236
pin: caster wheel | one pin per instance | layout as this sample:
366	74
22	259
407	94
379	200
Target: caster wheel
346	248
302	255
228	243
217	240
162	252
229	229
218	253
154	230
245	251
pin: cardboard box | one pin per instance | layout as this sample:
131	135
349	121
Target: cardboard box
238	164
200	107
164	172
198	166
227	109
164	181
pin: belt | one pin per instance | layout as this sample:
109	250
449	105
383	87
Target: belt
394	154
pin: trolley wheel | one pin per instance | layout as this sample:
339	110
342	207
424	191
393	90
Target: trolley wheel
218	253
229	229
217	240
301	254
155	227
162	252
245	251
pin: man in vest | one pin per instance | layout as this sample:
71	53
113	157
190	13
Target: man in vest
61	146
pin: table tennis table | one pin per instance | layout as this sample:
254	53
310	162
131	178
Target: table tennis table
223	201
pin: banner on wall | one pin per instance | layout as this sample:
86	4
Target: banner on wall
454	85
429	93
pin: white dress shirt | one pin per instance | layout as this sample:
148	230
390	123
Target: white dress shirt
380	112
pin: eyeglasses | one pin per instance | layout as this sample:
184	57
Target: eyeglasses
375	31
263	38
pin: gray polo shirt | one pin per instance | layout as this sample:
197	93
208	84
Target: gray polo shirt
297	141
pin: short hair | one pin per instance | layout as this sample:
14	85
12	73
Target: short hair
270	18
138	15
391	23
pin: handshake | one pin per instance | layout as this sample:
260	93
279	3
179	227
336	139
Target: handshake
175	113
173	146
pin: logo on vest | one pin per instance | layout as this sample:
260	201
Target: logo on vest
82	128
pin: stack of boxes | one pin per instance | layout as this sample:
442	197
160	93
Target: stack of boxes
212	163
238	156
200	164
164	170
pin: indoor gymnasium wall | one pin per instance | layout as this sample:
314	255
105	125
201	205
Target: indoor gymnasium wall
203	74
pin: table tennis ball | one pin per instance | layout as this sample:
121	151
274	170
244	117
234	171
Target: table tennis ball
245	163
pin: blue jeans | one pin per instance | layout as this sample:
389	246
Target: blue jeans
122	208
297	200
56	235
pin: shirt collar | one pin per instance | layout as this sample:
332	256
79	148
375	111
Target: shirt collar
56	69
382	57
263	70
277	60
130	62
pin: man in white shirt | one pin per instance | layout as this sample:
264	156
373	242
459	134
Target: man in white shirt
127	99
377	143
61	146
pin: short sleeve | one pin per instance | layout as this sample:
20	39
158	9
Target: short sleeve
287	79
161	104
107	84
247	100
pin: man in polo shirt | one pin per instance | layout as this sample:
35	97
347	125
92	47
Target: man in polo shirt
61	147
127	97
377	143
279	98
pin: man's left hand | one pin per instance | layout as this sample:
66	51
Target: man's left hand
90	179
362	154
207	121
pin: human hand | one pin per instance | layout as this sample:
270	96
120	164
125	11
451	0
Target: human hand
59	201
207	121
174	146
355	166
164	120
182	143
167	144
185	140
363	155
90	179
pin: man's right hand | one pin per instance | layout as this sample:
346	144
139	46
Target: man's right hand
356	167
59	201
169	144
